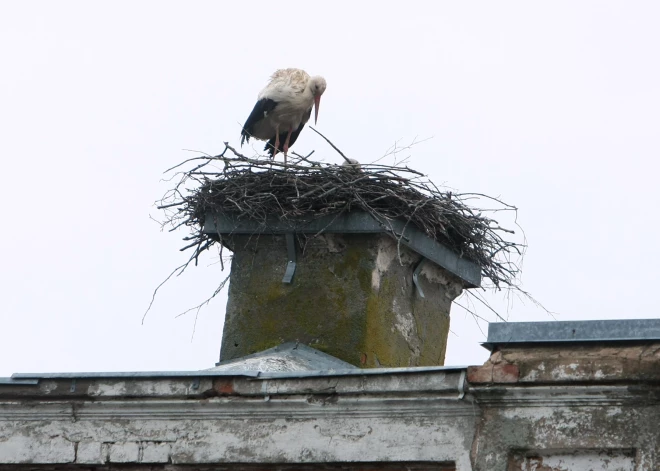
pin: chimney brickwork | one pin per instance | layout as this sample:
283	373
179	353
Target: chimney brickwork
352	296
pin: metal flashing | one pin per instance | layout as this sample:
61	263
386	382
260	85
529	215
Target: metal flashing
216	373
619	330
290	356
18	382
353	222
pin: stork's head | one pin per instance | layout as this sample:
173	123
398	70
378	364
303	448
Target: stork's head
317	86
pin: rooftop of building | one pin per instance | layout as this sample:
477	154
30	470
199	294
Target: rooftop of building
294	360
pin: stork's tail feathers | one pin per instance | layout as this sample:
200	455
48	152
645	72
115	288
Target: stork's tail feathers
245	136
270	148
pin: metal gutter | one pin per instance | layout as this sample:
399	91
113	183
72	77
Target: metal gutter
248	374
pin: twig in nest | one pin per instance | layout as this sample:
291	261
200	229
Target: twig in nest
153	296
333	146
202	304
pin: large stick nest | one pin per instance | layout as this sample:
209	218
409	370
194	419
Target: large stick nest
257	189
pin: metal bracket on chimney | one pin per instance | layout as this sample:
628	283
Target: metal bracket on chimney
291	253
418	268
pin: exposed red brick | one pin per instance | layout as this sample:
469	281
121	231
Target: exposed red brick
489	373
590	362
480	374
223	386
505	373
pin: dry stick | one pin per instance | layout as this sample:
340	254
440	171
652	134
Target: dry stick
475	316
306	158
395	149
204	156
485	303
153	296
202	304
207	300
333	146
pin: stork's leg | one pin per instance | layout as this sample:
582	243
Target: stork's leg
286	142
277	143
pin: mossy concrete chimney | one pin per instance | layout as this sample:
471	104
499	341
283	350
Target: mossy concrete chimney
352	291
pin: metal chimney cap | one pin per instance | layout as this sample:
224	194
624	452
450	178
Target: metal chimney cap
353	222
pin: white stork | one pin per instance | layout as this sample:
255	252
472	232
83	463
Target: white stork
283	108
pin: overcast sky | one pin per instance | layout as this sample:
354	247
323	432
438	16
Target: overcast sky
554	106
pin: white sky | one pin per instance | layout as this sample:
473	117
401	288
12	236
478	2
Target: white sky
554	106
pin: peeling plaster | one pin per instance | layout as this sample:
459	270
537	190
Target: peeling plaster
412	415
435	274
386	254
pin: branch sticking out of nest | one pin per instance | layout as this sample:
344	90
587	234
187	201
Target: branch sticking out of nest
304	189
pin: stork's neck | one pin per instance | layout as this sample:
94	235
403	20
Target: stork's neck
308	93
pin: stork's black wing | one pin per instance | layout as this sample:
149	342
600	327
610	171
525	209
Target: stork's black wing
270	145
259	112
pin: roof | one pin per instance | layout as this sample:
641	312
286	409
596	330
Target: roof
290	356
289	360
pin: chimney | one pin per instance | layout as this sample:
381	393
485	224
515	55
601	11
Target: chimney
341	284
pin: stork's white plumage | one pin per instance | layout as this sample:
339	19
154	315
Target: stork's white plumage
283	108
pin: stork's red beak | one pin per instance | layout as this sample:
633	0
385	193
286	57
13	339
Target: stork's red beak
317	103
